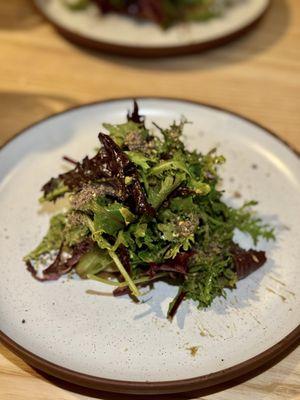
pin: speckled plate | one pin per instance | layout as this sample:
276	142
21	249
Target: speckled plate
70	329
126	36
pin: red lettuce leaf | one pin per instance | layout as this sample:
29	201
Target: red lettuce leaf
112	166
124	256
247	261
60	266
135	115
146	9
179	264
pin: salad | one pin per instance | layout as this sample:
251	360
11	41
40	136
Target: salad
145	209
163	12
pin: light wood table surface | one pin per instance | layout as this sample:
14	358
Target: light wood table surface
258	76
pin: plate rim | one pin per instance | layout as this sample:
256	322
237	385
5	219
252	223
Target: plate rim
160	387
150	51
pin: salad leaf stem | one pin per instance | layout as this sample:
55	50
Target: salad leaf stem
124	273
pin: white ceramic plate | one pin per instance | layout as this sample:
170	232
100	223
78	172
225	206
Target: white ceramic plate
112	343
122	34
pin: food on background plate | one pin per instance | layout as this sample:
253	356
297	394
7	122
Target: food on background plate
146	209
163	12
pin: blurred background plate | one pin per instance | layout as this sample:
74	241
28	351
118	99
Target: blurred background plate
126	36
68	329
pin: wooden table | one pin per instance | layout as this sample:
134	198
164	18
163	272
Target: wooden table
258	76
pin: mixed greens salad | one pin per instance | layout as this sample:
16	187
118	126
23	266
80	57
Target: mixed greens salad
146	209
163	12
